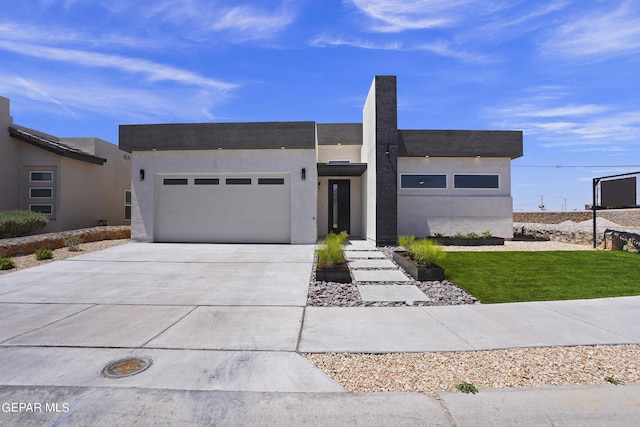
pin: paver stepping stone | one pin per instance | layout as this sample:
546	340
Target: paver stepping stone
391	293
372	263
379	276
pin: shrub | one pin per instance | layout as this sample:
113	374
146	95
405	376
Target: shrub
425	252
18	223
42	254
466	387
487	234
331	252
405	240
7	264
458	235
440	235
73	243
473	235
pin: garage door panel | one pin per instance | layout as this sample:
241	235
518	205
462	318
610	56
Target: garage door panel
258	213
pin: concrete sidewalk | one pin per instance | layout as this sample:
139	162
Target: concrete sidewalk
223	324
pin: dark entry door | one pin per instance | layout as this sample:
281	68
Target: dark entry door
339	205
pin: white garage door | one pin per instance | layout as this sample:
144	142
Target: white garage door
253	208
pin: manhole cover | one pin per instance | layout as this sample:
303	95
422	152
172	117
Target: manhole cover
126	367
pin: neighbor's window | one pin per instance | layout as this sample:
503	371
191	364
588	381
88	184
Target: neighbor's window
423	181
127	204
41	193
43	209
476	181
46	176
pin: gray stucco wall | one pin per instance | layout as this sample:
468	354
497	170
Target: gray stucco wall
9	161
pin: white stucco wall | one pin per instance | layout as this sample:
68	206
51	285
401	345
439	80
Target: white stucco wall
355	195
424	212
339	152
368	155
303	193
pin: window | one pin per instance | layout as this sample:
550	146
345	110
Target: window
43	209
41	193
238	181
476	181
175	181
46	176
127	204
423	181
270	181
206	181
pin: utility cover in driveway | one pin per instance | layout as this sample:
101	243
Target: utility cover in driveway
223	208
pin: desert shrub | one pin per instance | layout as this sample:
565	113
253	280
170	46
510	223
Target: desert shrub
487	234
18	223
331	252
440	234
425	252
473	235
7	264
73	243
458	235
43	253
405	240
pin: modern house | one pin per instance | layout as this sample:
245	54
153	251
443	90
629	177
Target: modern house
291	182
75	182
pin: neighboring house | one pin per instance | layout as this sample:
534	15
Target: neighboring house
75	182
291	182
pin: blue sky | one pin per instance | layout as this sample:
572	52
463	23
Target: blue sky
563	71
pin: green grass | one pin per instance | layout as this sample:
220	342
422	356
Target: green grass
495	277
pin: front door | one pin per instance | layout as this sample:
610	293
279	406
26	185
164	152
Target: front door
339	205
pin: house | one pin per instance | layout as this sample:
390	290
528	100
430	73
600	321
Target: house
75	182
291	182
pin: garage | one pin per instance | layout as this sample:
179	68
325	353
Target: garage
223	208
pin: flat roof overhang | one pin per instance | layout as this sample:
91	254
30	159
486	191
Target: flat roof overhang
55	146
341	169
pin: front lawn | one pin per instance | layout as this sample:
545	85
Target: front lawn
495	277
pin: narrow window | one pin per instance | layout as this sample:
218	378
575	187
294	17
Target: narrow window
127	204
423	181
270	181
476	181
206	181
238	181
40	193
175	181
41	176
43	209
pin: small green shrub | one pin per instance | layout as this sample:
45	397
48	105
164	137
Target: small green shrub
331	252
405	240
486	234
611	379
458	235
466	387
43	253
425	252
73	243
18	223
7	264
439	235
473	235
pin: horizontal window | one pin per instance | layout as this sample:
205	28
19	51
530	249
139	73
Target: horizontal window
41	193
476	181
175	181
238	181
206	181
270	181
423	181
43	209
46	176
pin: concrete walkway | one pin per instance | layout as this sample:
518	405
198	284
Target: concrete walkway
223	325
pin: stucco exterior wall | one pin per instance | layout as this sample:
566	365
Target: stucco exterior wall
351	153
9	161
424	212
303	193
355	195
368	155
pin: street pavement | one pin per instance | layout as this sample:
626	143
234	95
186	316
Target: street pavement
222	327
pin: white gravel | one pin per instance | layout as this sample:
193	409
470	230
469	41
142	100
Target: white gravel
528	246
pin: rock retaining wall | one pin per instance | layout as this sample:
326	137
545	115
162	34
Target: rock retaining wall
576	234
624	217
28	244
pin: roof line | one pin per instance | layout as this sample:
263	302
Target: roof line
55	147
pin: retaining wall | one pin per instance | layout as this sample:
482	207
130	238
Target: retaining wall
28	244
624	217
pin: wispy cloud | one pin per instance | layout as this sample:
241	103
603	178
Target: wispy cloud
324	41
600	34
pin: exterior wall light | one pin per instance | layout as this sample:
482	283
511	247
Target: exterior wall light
304	174
141	174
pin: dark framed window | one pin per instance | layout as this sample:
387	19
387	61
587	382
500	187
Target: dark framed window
175	181
41	176
127	204
41	193
43	209
476	181
238	181
270	181
423	181
206	181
